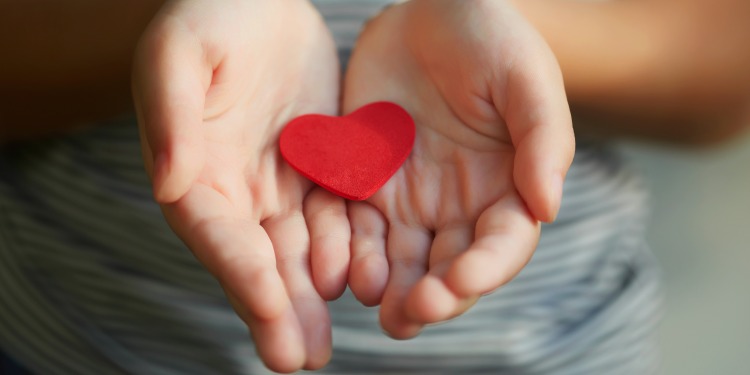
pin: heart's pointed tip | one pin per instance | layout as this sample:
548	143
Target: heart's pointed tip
359	198
352	195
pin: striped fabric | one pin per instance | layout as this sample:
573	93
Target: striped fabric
92	281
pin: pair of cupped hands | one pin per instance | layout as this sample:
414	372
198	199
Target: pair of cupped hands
215	83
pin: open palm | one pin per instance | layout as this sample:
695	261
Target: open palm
494	141
213	91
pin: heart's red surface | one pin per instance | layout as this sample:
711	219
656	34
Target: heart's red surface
351	156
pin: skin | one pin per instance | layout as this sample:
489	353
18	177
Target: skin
673	71
212	92
210	144
494	141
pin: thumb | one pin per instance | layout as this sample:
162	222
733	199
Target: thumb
538	118
170	80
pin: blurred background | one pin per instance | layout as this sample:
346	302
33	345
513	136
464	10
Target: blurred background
700	231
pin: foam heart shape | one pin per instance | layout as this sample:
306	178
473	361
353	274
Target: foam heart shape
351	156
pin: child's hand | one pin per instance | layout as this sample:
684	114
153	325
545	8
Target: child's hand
494	141
214	84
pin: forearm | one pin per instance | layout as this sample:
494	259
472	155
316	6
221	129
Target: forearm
66	62
653	69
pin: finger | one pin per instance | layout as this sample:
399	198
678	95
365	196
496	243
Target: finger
170	81
448	243
237	252
330	235
408	257
292	244
506	236
272	338
368	271
538	117
431	300
240	255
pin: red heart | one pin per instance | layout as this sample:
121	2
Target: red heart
350	156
